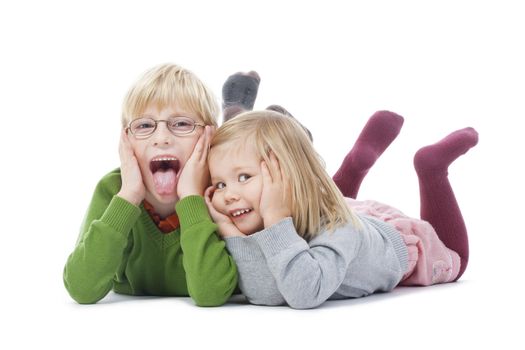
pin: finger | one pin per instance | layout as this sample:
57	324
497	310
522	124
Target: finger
123	144
206	146
197	150
284	178
203	140
126	144
267	177
122	135
208	194
276	168
287	188
273	167
213	130
125	139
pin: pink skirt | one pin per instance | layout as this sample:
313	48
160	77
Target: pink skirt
429	260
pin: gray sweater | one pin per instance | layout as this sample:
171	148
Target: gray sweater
276	266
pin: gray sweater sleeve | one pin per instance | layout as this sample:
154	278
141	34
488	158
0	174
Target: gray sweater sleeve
277	266
306	275
255	278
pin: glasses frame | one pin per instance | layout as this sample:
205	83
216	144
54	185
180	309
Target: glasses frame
141	137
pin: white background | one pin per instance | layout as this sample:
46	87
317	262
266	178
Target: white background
65	67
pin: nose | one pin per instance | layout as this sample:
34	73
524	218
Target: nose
162	135
230	195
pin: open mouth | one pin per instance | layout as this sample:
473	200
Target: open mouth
164	164
165	170
239	213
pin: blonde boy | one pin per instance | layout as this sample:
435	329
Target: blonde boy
147	230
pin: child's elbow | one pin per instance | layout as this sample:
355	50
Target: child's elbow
209	299
81	297
262	296
303	304
303	301
86	300
207	295
212	293
82	294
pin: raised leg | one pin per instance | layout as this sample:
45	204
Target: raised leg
379	132
239	92
438	203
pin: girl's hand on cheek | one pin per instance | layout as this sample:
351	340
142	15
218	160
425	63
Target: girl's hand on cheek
195	176
133	189
275	198
226	227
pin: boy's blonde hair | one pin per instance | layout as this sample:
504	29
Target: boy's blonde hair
317	204
168	84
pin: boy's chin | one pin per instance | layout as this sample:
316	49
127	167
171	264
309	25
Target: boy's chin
162	198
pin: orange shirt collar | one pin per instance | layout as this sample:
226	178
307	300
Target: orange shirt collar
167	225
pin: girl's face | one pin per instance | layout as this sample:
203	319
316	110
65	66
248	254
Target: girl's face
237	179
162	155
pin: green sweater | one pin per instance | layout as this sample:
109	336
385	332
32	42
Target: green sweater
121	248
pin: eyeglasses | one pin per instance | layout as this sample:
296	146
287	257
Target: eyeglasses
142	128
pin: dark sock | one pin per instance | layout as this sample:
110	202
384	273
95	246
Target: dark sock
438	203
239	92
379	132
282	110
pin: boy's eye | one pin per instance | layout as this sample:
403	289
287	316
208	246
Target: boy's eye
181	124
143	124
243	177
220	185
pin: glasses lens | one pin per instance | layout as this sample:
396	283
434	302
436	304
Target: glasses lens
142	126
181	125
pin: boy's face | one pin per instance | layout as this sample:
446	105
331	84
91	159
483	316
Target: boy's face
237	179
162	156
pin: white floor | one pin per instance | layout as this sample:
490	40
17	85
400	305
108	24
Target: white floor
468	314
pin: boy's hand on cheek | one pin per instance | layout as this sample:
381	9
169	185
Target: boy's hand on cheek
226	227
275	198
195	177
133	189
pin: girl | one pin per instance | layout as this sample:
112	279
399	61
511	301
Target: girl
297	240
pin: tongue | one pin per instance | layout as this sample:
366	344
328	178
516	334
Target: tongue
165	181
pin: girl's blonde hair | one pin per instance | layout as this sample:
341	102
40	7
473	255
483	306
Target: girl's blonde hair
317	204
168	84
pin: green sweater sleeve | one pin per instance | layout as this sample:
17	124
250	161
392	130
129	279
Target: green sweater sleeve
91	267
211	273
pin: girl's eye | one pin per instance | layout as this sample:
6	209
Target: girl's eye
220	185
243	177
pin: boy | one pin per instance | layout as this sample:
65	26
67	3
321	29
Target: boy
147	230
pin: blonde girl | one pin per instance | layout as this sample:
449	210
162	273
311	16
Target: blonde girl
297	241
